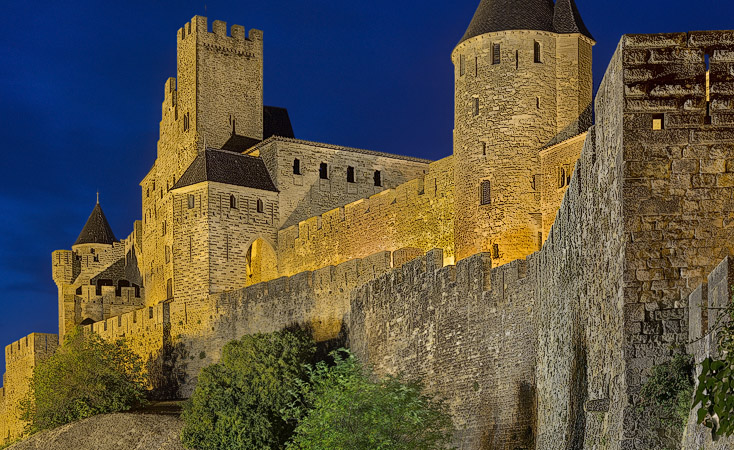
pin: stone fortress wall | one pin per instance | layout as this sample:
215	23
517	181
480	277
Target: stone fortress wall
548	351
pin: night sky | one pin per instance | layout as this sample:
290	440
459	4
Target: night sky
81	86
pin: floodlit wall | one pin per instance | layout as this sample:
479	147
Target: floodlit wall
417	214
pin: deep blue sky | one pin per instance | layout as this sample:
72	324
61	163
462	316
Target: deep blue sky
81	85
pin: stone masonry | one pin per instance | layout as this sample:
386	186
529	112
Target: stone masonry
531	279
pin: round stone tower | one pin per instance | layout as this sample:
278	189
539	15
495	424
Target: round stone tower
523	82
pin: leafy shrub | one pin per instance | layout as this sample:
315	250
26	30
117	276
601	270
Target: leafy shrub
237	403
667	392
715	392
339	407
85	377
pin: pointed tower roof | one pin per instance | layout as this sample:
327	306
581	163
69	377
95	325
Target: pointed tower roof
566	19
97	230
502	15
541	15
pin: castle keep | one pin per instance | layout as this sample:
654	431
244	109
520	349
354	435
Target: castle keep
532	278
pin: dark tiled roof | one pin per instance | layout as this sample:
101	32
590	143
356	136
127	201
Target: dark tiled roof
97	230
541	15
229	168
276	122
566	19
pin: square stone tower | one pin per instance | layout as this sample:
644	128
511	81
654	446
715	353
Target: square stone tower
216	99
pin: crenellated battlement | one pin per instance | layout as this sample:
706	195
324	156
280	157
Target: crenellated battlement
218	36
35	344
416	214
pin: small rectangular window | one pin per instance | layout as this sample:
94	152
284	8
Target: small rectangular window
260	206
476	66
536	52
485	193
496	54
350	174
232	202
324	171
658	122
475	107
462	65
378	178
296	166
192	201
495	251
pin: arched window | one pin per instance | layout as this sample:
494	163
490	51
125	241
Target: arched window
296	166
378	178
232	202
350	174
260	206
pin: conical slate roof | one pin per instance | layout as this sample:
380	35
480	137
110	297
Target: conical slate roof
566	19
541	15
97	230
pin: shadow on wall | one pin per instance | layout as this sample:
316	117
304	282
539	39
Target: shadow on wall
167	369
498	435
577	416
580	125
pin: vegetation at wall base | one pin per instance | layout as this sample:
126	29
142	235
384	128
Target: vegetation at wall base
85	377
715	392
237	402
340	406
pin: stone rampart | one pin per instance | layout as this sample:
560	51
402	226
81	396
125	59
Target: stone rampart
706	306
416	214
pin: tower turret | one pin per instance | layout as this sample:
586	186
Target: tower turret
523	81
96	232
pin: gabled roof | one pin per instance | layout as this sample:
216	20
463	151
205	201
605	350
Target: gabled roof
97	230
276	122
541	15
226	167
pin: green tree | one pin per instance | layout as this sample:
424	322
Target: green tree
86	376
340	407
237	403
715	392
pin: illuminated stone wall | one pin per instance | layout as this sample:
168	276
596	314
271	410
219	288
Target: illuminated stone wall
506	111
417	214
20	359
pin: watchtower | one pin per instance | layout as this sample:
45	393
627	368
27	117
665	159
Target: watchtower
523	81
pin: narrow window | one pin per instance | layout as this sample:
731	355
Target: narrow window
476	66
536	52
462	65
186	122
350	174
486	193
495	251
707	119
168	254
537	102
150	312
517	59
233	122
147	192
191	201
476	106
378	178
484	149
496	54
658	122
260	206
561	177
296	166
324	171
169	288
540	240
163	228
232	202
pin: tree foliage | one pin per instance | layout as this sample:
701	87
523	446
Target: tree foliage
340	407
237	402
86	376
667	392
715	392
